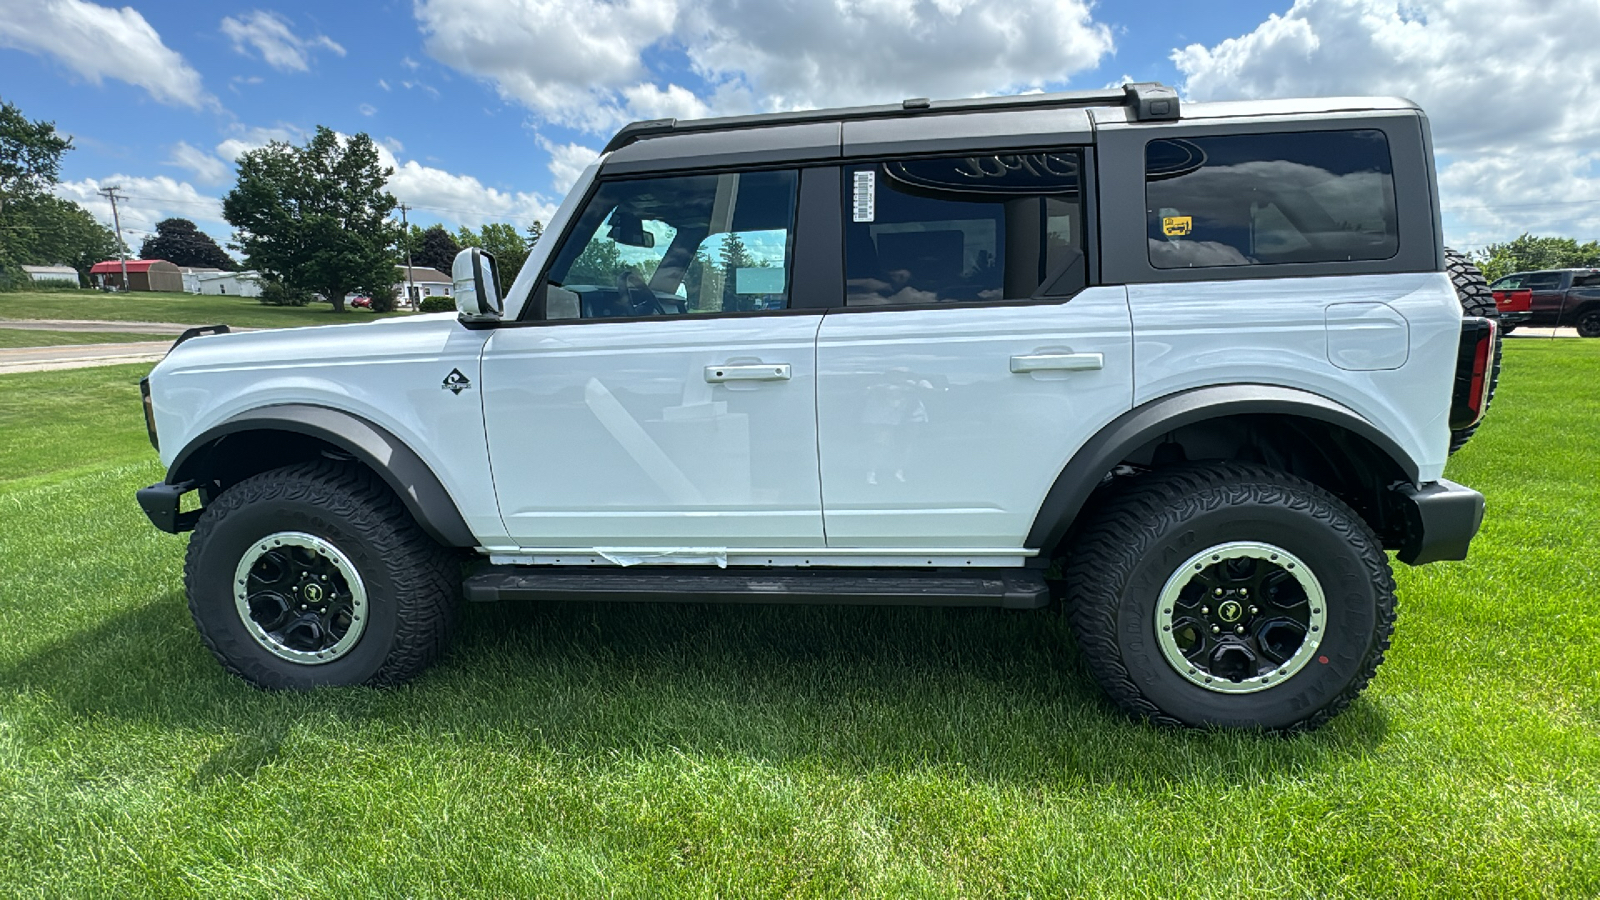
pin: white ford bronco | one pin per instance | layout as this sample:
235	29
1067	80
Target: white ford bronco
1191	372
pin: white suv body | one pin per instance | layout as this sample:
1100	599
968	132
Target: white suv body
689	372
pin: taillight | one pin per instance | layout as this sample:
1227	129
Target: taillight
1474	371
1518	300
149	412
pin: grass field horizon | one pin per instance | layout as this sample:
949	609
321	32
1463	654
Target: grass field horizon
638	750
182	309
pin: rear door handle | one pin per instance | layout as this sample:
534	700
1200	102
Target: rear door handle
1058	362
748	372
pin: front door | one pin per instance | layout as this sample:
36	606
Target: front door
970	361
667	399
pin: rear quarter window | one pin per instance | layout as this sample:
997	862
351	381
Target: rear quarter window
1265	199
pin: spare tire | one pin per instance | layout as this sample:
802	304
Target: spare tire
1476	300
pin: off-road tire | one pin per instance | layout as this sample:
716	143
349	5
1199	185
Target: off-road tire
1588	322
412	583
1476	300
1142	535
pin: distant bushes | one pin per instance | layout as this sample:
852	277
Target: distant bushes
436	304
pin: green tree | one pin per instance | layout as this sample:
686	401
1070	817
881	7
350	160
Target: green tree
179	242
503	241
30	154
734	256
37	228
316	217
1527	253
435	250
599	263
535	231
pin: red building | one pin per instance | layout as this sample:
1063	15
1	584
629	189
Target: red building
143	275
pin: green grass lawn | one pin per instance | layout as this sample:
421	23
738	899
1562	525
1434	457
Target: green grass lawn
578	750
29	337
185	309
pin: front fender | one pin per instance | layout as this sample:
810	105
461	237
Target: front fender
397	464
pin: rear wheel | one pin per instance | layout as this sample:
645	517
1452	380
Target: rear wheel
315	574
1230	595
1476	300
1589	323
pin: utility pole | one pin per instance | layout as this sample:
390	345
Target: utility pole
405	228
110	191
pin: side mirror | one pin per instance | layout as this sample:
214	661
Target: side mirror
476	289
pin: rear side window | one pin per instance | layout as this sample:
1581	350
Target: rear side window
1264	199
964	229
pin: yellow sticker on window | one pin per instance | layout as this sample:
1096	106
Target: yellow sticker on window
1177	226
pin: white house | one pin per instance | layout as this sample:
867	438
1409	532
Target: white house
230	284
52	274
423	281
191	277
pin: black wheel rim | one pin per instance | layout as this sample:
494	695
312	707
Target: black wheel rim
300	598
1240	617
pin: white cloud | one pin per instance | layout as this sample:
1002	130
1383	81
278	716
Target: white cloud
460	199
583	64
148	201
367	109
245	139
1510	94
98	42
207	168
567	162
274	39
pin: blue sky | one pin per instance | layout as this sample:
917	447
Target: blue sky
489	107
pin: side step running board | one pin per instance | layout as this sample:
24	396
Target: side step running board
1008	588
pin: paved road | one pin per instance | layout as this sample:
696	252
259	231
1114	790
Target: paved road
79	356
163	328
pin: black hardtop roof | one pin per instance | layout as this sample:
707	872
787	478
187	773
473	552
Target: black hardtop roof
1150	101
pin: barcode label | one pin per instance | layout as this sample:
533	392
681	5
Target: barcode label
861	209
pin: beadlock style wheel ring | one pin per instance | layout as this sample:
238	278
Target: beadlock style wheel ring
300	598
1240	617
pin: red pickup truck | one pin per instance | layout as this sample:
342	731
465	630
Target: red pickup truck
1551	298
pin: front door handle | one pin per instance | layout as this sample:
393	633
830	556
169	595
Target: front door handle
1058	362
748	372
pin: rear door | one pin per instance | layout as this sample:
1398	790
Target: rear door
970	360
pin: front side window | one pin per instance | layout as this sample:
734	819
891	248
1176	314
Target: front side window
1542	281
1264	199
692	244
964	229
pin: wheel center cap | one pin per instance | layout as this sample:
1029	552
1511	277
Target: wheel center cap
313	593
1230	611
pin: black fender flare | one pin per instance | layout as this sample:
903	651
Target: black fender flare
1144	423
412	480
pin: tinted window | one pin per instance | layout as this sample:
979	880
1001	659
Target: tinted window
1542	281
668	246
1260	199
964	229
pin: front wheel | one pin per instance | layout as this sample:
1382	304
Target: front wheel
315	574
1230	595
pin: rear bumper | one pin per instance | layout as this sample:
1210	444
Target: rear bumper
1441	519
160	503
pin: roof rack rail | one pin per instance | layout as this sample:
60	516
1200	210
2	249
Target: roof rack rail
1150	101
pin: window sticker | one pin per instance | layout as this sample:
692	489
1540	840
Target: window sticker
862	206
1176	226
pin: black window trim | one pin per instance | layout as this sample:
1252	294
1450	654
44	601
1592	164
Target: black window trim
1124	227
1089	205
1394	189
533	310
